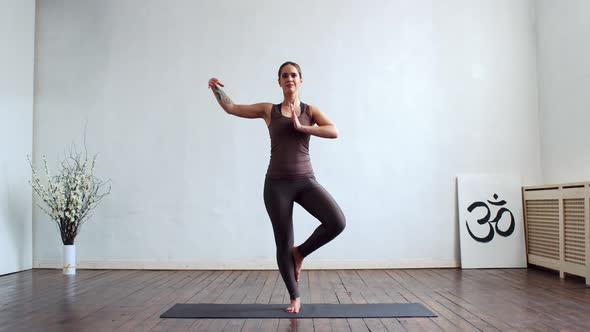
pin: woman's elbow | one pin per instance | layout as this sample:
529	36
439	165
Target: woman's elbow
334	133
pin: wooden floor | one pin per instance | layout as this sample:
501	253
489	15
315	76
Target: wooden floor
131	300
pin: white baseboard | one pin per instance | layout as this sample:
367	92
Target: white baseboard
248	265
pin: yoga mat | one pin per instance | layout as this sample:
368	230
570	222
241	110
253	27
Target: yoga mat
308	310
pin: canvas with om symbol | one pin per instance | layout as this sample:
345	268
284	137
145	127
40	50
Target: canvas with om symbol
491	226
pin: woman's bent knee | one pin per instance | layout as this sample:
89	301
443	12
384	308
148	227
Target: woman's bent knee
339	225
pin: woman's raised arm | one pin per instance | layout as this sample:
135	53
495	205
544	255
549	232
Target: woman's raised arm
259	110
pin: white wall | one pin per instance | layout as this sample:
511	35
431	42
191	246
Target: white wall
564	78
17	40
420	90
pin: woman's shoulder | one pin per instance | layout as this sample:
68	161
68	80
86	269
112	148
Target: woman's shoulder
311	108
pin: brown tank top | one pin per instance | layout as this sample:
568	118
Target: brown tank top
289	148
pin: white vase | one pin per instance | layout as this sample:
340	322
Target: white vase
69	259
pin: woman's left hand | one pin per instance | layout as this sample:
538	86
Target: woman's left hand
294	117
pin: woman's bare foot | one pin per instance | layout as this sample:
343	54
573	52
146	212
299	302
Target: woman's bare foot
294	307
298	260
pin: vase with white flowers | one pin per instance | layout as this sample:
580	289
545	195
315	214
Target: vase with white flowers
68	198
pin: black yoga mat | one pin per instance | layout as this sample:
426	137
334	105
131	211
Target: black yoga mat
308	310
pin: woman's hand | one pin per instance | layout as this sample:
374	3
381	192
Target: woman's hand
222	98
213	82
294	117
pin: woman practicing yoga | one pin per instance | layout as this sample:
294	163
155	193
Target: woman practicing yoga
290	177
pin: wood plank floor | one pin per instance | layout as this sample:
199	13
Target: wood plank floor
132	300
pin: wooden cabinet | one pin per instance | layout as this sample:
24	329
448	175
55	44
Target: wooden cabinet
557	221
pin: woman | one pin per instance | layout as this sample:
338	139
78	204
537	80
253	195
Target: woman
290	177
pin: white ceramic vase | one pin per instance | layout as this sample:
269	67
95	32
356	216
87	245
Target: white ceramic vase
69	259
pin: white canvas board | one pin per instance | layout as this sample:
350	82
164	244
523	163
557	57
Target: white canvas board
491	224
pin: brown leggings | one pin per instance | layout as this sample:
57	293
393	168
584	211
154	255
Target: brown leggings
279	195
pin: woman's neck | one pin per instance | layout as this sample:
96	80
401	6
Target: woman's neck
291	99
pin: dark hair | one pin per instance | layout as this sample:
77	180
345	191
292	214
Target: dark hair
292	64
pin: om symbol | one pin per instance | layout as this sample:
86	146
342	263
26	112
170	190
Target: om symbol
493	224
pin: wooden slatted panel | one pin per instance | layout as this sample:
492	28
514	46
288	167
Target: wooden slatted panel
575	244
543	227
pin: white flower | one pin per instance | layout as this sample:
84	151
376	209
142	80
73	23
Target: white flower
71	194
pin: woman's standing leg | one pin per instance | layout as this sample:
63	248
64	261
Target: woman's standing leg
278	199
